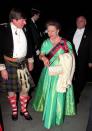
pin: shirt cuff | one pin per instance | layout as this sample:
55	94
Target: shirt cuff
37	52
2	67
31	60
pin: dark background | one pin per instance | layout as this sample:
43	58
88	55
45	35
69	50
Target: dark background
65	11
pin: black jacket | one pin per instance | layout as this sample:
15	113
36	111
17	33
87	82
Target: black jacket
6	43
34	34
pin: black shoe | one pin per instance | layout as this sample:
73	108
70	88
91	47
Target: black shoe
15	117
26	115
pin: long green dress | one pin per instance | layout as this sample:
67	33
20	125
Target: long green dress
54	105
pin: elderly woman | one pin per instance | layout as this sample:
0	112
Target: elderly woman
54	95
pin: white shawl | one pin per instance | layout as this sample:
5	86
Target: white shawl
65	70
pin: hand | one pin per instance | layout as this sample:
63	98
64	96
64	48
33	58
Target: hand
4	74
45	61
30	66
90	65
37	52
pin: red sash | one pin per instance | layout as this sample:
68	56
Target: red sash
61	45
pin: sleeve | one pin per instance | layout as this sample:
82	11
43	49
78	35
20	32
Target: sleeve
30	49
1	45
44	47
2	63
70	47
30	53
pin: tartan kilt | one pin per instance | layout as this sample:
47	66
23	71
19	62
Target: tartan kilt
12	84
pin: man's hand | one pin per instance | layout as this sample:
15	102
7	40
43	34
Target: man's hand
30	66
90	65
4	74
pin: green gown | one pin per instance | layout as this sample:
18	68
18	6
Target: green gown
54	105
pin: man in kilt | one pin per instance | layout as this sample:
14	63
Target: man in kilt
15	61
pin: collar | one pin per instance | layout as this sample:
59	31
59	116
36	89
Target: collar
33	20
15	28
81	30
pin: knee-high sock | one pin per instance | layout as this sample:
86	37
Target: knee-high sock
12	100
23	102
1	128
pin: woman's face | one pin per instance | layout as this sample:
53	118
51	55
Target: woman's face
52	31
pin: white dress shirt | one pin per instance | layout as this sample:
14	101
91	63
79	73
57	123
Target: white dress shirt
77	38
19	41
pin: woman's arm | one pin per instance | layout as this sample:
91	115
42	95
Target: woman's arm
44	59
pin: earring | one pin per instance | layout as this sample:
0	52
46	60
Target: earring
56	33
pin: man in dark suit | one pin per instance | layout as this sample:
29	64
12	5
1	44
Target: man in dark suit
36	39
34	30
82	42
15	57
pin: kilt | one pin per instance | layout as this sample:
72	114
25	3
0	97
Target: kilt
12	84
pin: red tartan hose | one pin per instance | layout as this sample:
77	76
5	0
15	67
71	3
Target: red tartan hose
1	128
